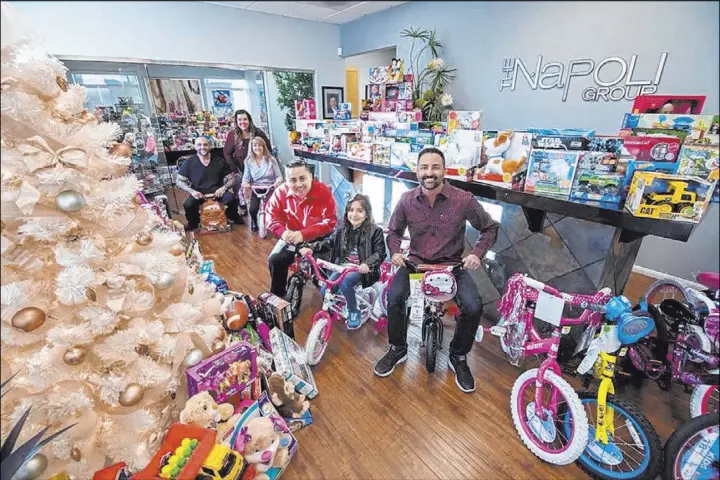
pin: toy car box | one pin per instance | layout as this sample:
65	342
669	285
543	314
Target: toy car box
225	374
268	445
668	197
551	171
601	186
652	149
699	161
632	166
504	159
696	126
560	142
290	362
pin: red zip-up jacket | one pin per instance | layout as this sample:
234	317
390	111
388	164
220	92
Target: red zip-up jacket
314	216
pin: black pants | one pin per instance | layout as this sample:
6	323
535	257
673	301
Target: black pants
254	208
468	301
192	208
279	263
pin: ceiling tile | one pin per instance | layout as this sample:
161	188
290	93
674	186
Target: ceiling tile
277	8
311	12
362	9
233	4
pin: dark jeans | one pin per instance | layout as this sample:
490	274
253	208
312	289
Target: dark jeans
279	262
467	299
192	208
347	288
254	208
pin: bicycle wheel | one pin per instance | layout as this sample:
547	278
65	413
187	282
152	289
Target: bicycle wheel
316	342
704	399
262	231
431	345
633	451
558	439
691	452
665	289
294	294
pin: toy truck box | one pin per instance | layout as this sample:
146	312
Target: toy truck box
291	362
632	166
601	186
668	197
560	142
652	149
551	171
697	127
227	374
504	159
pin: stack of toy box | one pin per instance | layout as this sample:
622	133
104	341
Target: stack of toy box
600	173
504	159
553	161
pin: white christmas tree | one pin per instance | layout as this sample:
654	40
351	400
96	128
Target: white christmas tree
100	314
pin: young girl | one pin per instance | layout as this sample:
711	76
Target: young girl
262	168
356	241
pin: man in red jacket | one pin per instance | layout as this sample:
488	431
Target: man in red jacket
300	210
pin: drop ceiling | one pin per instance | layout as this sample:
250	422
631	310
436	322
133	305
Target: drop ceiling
330	12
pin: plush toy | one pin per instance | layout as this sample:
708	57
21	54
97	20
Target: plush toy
495	148
202	410
263	445
289	403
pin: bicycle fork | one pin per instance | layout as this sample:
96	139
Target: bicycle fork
605	369
550	363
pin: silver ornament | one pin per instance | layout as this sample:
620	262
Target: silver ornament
33	468
70	201
165	281
193	357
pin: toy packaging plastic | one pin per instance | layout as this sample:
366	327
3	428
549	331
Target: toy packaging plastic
561	142
696	126
305	109
462	151
227	374
464	120
360	151
504	159
682	104
264	439
652	149
551	171
699	161
290	362
668	197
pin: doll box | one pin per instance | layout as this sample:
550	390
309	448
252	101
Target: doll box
271	455
409	117
683	104
360	151
305	109
504	159
464	120
652	149
560	142
699	161
290	362
551	171
668	196
225	374
344	112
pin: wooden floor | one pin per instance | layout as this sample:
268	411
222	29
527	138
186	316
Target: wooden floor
410	425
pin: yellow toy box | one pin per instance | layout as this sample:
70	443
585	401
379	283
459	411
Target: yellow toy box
668	197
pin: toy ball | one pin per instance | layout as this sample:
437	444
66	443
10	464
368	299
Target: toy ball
237	317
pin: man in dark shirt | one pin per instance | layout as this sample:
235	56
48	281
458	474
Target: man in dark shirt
202	174
435	213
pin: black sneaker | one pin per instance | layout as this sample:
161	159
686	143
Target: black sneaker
390	360
463	377
191	227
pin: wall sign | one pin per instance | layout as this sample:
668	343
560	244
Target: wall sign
609	85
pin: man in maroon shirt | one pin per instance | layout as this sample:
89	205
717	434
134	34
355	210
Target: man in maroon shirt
435	213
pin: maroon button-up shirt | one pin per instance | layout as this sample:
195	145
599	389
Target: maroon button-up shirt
437	233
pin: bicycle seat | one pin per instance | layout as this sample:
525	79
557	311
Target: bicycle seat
709	280
632	328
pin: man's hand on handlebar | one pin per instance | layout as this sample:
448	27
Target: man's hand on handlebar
471	262
305	251
196	195
398	259
292	237
220	192
363	269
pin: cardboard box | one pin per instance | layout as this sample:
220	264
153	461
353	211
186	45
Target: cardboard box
551	171
464	120
652	149
699	161
560	142
668	196
360	151
226	374
678	103
275	311
295	424
697	127
601	186
290	361
381	153
504	159
632	166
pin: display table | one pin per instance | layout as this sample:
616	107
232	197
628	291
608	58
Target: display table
576	247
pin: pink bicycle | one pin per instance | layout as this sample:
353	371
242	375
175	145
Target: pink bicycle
547	413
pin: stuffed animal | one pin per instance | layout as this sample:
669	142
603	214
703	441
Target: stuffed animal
288	402
263	445
495	148
202	410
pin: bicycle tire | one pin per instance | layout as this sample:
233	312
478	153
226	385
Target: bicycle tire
651	443
431	346
262	231
701	397
680	438
315	345
294	294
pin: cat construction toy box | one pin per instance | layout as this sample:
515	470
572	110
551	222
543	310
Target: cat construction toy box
668	196
291	363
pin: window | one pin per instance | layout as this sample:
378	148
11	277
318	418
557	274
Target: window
374	187
398	188
239	90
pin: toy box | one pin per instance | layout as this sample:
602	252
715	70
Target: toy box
609	144
504	158
561	142
434	127
276	312
632	166
173	440
462	151
699	161
226	374
290	362
409	117
681	135
598	161
396	70
668	197
295	424
305	109
551	171
344	112
263	438
405	155
696	126
464	120
381	153
682	104
652	149
598	185
360	151
378	75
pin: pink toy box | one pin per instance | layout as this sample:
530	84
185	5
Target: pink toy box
228	373
305	109
464	120
669	104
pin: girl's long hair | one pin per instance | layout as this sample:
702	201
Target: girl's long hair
238	132
266	153
367	224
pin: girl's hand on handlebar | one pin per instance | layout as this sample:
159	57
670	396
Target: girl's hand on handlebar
363	268
305	251
471	262
398	259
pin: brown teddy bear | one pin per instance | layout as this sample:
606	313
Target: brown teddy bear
202	410
288	402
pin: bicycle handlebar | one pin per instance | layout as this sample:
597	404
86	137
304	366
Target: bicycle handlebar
344	271
584	301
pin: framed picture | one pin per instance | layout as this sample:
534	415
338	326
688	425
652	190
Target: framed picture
332	97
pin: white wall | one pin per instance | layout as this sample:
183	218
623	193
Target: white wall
364	61
191	32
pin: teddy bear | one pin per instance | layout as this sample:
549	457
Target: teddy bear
264	445
202	410
288	402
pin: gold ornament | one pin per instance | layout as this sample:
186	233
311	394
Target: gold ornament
61	83
76	454
60	476
191	289
132	395
91	295
28	319
218	346
70	201
193	357
176	250
33	468
75	355
144	239
165	281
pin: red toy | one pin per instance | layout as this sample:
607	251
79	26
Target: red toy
683	104
173	439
